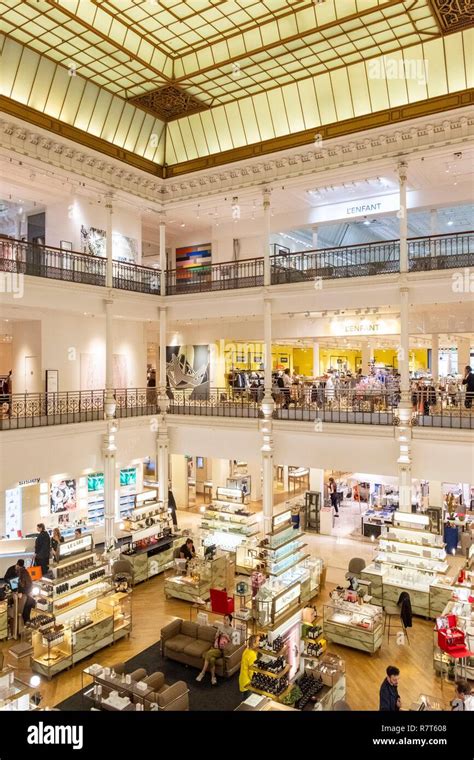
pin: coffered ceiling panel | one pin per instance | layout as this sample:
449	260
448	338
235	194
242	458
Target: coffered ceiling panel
178	80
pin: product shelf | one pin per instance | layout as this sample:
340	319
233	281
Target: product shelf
276	697
280	674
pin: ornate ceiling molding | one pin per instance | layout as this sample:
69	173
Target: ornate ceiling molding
453	15
333	153
169	102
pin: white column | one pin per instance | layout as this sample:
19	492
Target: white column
109	447
255	471
464	354
179	480
435	493
220	472
267	335
162	437
267	275
316	480
267	422
316	370
109	353
367	356
162	258
433	229
435	356
162	357
404	349
314	234
403	216
108	241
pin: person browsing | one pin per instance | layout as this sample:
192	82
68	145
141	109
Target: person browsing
187	550
389	698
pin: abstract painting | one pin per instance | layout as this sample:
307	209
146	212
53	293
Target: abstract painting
193	261
93	241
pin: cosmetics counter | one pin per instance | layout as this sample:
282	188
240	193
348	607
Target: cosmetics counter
200	576
78	611
359	626
227	525
410	558
152	541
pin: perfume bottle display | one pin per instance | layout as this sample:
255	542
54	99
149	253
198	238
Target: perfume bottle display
269	684
310	686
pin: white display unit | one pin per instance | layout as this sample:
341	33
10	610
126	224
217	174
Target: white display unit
228	525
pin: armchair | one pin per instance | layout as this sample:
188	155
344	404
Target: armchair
220	602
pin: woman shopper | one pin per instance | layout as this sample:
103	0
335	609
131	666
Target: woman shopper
25	584
463	698
333	496
249	656
223	638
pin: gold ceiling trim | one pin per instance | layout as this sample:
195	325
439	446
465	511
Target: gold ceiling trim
453	15
38	119
336	129
169	103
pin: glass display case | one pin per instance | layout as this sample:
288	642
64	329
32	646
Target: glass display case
3	620
246	556
77	611
227	525
201	575
15	694
119	607
359	626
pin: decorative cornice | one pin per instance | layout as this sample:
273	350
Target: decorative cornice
61	129
308	137
392	142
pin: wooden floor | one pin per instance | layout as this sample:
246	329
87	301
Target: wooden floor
364	672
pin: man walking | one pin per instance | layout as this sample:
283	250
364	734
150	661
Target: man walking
389	697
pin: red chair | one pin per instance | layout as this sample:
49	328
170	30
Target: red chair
220	602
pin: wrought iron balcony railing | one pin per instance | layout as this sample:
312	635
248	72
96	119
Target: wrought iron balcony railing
319	405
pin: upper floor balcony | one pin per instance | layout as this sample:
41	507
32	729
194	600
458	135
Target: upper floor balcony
431	253
431	407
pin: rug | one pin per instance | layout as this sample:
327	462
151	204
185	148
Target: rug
202	696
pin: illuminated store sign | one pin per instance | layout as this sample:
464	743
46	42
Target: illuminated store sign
344	327
382	204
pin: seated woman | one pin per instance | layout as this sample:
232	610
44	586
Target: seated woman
223	638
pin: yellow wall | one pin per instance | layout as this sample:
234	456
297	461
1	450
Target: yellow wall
303	361
328	357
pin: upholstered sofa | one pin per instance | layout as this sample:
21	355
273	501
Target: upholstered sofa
187	642
166	697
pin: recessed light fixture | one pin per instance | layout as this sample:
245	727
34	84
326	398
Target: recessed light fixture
450	223
182	225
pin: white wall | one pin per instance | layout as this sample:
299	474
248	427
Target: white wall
64	220
26	343
65	338
6	358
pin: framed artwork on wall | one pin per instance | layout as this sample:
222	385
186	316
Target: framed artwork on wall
193	261
52	381
65	245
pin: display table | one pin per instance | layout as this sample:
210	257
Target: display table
202	575
257	703
358	626
152	559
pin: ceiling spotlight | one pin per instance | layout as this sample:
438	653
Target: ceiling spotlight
366	221
306	314
324	313
450	223
290	316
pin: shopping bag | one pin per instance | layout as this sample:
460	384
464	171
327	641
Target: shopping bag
35	572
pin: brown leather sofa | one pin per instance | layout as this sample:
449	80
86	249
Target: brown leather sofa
167	698
187	642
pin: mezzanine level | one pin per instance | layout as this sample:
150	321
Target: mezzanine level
430	253
434	409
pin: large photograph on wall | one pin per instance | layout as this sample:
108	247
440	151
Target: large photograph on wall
93	243
188	367
62	496
193	262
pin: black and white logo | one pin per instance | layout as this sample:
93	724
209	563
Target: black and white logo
47	734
